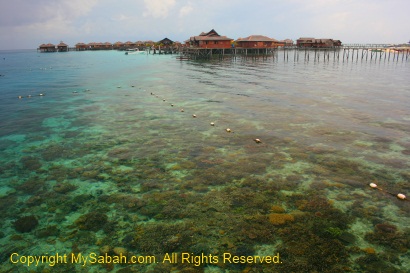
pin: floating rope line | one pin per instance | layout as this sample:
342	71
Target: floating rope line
228	130
400	196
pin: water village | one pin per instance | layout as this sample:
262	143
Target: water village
208	45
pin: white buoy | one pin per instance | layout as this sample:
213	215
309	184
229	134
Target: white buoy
373	185
257	140
41	95
194	116
20	97
228	130
172	104
212	124
182	110
401	196
163	100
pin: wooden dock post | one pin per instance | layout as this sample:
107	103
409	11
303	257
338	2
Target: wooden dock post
377	52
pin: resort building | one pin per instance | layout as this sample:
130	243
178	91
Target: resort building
317	43
165	42
62	47
129	45
210	39
96	46
80	47
286	42
47	48
257	41
107	46
118	45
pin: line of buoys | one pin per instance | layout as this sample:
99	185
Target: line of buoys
400	196
30	96
42	94
228	130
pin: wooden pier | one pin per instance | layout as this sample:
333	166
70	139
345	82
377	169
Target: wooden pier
356	52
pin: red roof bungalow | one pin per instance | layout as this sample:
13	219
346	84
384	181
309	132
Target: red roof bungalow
80	46
107	45
62	47
47	48
257	41
130	44
118	45
210	39
287	42
96	46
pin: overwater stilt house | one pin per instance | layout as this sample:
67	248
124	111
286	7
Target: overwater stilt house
62	47
257	41
80	47
210	39
129	45
165	42
286	42
47	48
107	46
118	45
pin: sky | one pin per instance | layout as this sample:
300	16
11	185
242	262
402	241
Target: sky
25	24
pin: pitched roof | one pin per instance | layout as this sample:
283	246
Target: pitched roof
212	35
47	45
257	38
211	38
166	40
212	32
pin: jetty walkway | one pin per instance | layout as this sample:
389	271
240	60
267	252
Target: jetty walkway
348	52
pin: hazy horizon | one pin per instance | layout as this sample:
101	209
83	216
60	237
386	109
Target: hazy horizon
25	24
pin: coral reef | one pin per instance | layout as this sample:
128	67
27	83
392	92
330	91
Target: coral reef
92	221
30	163
389	236
280	219
64	187
26	223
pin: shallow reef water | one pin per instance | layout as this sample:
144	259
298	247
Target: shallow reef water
119	158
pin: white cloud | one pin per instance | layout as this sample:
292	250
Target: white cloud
185	10
25	13
121	17
158	8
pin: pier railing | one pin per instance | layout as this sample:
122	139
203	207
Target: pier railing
367	45
350	52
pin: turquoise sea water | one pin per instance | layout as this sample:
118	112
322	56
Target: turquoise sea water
105	162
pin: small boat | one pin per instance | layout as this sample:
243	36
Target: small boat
134	51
